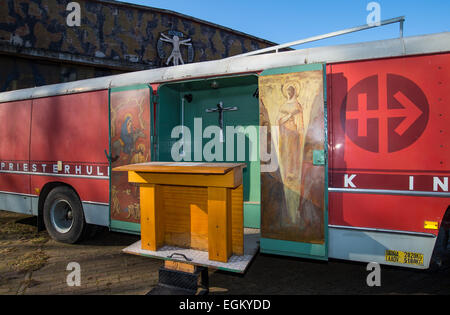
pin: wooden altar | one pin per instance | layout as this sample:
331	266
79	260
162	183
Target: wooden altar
191	205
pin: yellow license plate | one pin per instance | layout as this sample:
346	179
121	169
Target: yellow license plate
406	258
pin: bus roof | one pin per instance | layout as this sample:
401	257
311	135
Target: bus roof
417	45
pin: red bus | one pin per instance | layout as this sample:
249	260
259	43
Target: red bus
359	134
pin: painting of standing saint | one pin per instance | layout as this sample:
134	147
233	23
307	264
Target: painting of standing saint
292	107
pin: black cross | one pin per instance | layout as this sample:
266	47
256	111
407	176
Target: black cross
220	109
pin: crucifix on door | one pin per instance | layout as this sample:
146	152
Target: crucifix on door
220	109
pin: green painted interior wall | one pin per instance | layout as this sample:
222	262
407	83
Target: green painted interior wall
233	91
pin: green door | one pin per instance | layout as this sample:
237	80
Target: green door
130	110
294	183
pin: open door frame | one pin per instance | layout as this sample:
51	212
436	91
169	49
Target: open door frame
278	246
119	223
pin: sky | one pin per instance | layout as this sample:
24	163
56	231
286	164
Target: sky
283	21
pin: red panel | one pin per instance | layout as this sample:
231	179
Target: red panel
14	145
72	129
395	113
403	213
388	123
94	190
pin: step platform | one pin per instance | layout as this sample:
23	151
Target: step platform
236	264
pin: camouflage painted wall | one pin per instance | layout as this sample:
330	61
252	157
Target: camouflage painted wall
112	35
20	73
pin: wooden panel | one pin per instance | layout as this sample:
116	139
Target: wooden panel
152	228
237	220
182	168
173	265
195	211
219	224
232	179
185	216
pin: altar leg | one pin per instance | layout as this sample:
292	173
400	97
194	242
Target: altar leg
152	228
237	220
219	224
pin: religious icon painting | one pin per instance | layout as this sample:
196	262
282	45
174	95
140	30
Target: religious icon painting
292	108
130	144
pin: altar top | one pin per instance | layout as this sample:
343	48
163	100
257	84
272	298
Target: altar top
181	168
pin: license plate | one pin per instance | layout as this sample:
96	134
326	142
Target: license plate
406	258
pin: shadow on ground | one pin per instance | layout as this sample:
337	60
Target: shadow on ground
273	275
32	263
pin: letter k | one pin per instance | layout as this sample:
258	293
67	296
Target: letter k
348	181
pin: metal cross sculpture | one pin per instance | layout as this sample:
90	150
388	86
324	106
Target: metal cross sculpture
220	109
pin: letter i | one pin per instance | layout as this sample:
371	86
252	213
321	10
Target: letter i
411	182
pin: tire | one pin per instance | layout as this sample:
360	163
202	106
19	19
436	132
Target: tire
91	231
440	257
64	216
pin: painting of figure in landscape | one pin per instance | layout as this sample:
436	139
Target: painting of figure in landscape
130	144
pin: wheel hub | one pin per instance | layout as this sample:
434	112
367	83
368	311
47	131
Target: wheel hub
61	216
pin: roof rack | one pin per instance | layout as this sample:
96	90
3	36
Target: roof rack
276	49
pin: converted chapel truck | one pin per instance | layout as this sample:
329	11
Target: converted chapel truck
354	141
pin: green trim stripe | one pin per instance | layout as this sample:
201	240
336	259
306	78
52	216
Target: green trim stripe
286	70
130	88
109	152
122	226
294	249
325	112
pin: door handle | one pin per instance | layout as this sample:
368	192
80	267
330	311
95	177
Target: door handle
108	157
319	157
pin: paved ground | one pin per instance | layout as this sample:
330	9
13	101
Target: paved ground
31	263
